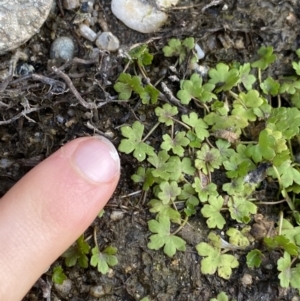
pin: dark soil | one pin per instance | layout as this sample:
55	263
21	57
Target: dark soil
56	117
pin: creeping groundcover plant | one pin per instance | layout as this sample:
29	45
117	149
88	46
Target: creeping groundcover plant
235	121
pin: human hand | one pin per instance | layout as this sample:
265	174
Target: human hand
50	207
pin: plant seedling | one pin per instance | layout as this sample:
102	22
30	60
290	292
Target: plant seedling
288	276
175	144
163	237
224	77
77	253
208	159
105	259
216	261
254	258
212	212
221	297
180	49
134	142
193	89
58	275
225	127
141	55
266	58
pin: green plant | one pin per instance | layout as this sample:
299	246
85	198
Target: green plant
79	253
134	142
105	259
128	84
142	55
221	297
163	237
58	275
179	48
214	260
211	129
266	58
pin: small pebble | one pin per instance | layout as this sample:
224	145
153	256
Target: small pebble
62	48
86	7
71	4
138	15
64	288
20	20
199	51
107	41
25	69
87	32
166	3
116	215
60	119
5	163
97	291
202	70
246	279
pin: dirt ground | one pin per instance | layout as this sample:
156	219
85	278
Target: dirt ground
230	30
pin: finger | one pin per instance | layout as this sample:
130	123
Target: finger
48	209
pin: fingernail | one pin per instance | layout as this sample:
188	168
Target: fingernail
97	159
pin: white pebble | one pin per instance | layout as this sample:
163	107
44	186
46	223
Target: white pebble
71	4
107	41
247	279
87	32
62	48
65	288
117	215
202	70
166	3
97	291
138	15
5	163
200	52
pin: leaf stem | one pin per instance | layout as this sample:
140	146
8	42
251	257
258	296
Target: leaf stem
209	143
279	100
289	201
248	142
182	123
271	203
181	226
95	236
201	104
278	178
294	259
291	150
259	75
236	97
151	131
280	222
282	190
208	172
142	70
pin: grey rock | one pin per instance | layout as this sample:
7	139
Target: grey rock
97	291
65	288
62	48
20	20
107	41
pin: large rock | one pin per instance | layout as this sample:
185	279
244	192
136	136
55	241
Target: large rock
141	15
20	20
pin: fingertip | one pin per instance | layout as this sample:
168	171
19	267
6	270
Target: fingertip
97	159
48	209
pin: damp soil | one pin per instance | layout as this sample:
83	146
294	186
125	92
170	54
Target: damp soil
37	118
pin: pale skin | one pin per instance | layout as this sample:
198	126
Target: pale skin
50	207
